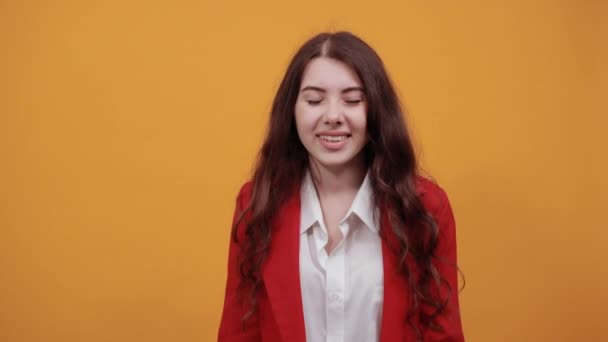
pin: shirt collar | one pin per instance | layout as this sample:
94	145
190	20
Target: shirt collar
362	206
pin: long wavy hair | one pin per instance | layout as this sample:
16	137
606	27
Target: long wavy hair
389	155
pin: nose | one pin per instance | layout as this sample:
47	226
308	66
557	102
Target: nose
334	113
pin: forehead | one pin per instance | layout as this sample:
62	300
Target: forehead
330	74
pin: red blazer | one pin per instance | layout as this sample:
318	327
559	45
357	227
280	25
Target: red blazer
279	316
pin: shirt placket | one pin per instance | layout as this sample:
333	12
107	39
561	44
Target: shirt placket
335	294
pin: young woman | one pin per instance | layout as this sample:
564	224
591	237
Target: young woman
337	237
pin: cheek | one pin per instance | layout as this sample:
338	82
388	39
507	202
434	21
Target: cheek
305	120
359	121
302	125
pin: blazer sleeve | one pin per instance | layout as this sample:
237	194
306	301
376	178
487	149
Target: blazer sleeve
231	329
446	264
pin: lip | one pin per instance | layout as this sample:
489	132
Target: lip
333	146
333	134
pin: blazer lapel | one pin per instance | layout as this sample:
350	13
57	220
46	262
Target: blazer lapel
394	308
282	271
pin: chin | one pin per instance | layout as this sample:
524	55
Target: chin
334	162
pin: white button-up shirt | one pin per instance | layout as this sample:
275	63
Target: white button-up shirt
342	293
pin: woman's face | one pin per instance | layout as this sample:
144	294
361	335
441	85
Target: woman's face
331	113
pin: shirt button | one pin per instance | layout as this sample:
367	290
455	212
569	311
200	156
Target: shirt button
334	297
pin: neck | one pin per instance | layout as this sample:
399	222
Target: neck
340	179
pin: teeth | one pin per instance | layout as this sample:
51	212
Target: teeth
333	138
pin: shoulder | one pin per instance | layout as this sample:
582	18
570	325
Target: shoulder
436	202
244	194
433	196
239	225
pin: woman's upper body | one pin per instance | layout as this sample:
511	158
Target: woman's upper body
337	237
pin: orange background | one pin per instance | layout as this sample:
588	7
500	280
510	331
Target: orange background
127	127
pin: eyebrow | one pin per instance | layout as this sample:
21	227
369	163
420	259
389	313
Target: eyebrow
344	91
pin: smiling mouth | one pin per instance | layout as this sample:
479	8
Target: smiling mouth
334	138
